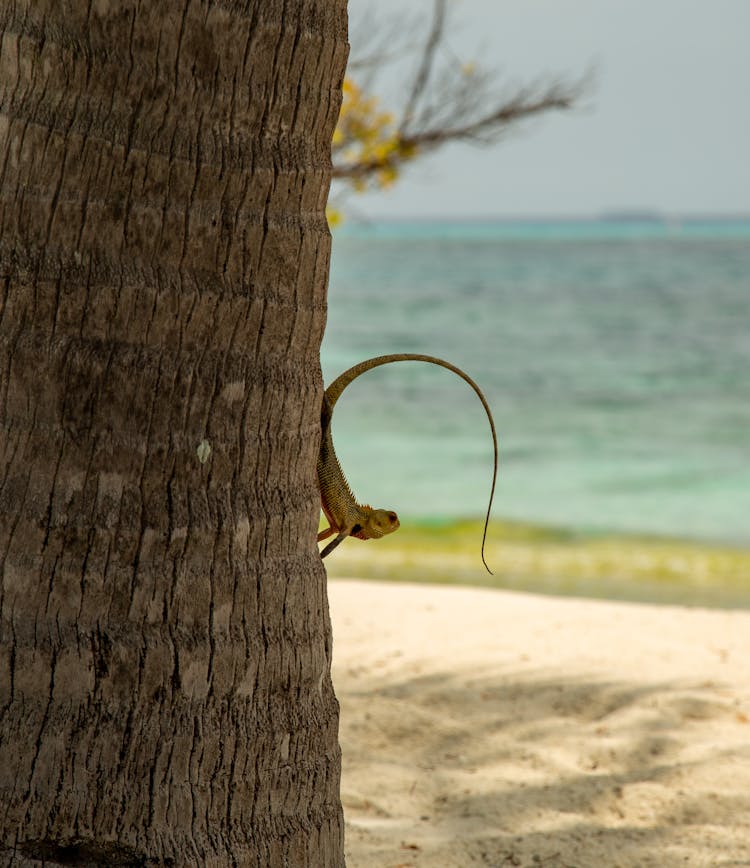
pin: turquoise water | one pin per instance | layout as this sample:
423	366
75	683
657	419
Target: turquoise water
615	355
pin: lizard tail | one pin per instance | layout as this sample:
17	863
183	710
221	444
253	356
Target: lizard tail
333	393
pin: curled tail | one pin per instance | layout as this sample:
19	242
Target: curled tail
333	393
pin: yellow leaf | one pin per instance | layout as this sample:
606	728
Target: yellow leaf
334	216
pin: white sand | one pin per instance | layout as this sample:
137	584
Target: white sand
488	728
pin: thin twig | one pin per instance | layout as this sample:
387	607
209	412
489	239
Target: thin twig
422	76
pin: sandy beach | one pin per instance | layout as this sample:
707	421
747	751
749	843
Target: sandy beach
494	728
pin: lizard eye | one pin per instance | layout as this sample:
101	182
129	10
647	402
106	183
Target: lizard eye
392	517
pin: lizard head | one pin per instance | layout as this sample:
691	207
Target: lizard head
379	523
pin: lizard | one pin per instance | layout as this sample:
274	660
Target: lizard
346	517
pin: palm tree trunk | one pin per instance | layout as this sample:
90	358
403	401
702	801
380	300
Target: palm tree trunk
165	696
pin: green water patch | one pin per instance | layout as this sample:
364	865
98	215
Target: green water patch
554	561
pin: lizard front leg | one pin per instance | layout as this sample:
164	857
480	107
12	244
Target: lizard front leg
324	534
354	530
332	545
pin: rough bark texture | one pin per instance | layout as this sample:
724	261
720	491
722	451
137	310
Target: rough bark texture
165	696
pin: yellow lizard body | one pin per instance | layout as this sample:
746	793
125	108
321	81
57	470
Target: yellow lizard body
347	517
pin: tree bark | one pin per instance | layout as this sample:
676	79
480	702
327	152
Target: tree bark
165	646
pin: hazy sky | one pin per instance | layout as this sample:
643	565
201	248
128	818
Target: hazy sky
666	126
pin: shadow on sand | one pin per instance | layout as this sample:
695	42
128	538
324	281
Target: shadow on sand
520	769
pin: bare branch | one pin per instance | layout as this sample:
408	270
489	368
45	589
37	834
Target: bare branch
468	126
422	76
446	101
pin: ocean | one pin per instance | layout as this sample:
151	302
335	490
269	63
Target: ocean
615	355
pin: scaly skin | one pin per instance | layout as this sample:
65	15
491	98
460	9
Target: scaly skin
345	515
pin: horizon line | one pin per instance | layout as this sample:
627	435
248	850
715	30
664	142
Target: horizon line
633	215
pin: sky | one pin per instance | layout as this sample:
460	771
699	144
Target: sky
664	127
